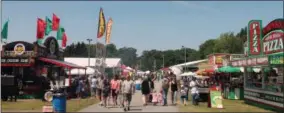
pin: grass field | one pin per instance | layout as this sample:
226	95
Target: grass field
32	105
229	106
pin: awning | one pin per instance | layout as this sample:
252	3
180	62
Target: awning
61	63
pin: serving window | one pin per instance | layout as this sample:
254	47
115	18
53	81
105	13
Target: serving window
265	78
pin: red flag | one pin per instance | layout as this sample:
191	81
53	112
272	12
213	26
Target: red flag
64	40
55	22
40	28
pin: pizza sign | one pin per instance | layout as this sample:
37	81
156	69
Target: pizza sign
273	42
254	37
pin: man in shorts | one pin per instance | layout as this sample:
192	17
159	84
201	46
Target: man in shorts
128	89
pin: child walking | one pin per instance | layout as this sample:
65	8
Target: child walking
183	95
157	97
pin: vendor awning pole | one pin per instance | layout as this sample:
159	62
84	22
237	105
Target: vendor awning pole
69	76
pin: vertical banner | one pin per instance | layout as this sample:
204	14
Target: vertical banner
108	30
254	37
101	24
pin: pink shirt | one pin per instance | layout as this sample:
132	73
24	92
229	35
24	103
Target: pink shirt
114	84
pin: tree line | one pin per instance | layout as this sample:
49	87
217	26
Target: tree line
155	59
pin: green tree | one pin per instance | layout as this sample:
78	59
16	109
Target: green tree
207	48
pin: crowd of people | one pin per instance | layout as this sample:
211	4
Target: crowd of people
118	90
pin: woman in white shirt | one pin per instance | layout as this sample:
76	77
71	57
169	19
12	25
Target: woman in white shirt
194	91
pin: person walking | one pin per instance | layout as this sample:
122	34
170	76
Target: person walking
165	88
120	94
114	89
194	91
94	85
174	89
146	90
186	84
99	88
106	91
128	89
183	95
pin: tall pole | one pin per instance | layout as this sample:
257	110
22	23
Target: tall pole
89	52
184	57
163	61
154	65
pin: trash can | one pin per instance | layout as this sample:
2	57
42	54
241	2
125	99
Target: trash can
138	86
59	103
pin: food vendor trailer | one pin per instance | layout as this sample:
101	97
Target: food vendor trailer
265	51
31	67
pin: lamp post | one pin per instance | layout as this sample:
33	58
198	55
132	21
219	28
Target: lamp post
89	40
184	57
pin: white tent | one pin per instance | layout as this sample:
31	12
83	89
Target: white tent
177	70
188	74
257	70
89	71
147	72
129	68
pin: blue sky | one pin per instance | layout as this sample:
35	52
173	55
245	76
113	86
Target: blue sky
143	24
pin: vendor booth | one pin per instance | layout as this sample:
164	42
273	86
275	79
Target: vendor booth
265	51
232	81
32	67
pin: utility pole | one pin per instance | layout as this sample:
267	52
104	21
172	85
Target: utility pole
89	52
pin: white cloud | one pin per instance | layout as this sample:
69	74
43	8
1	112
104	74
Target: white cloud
192	5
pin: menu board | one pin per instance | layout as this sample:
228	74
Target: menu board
216	99
276	60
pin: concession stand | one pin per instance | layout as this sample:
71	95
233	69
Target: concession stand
32	68
264	51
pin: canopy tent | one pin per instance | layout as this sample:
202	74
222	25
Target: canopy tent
229	69
177	70
188	74
139	72
89	71
205	71
256	69
129	68
201	77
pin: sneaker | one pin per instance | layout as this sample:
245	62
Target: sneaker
124	109
128	108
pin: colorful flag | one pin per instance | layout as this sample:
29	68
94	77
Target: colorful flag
48	27
64	39
60	32
4	32
108	30
101	24
55	22
40	28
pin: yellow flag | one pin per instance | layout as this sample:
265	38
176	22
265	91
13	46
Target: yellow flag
108	30
102	24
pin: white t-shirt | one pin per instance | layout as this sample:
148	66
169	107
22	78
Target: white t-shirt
193	87
93	82
127	86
